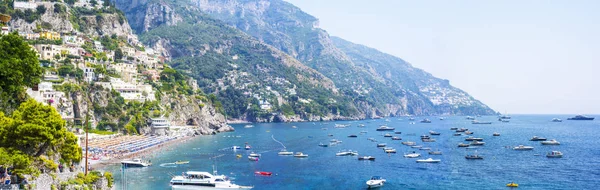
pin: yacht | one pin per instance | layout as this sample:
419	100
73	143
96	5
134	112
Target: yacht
346	153
554	154
323	145
477	143
425	121
352	136
366	158
417	146
409	143
387	135
437	152
504	117
385	128
429	160
203	180
425	148
496	134
453	128
285	152
396	138
556	120
252	158
473	157
247	147
428	140
468	132
480	122
536	138
521	147
335	141
136	163
551	142
252	154
375	182
300	155
361	125
389	150
235	147
381	145
463	145
434	133
470	118
580	117
473	139
248	126
462	130
457	134
412	155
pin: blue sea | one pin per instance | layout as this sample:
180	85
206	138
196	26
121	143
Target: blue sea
578	169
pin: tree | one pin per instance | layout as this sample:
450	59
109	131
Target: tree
118	54
41	9
20	68
94	2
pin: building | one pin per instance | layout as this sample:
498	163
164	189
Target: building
128	71
130	91
5	30
24	5
88	74
160	125
47	51
98	46
30	36
265	105
50	35
152	75
75	40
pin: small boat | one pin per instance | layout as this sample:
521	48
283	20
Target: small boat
512	184
387	135
136	163
235	147
442	118
363	132
428	160
425	121
341	125
473	139
551	142
453	128
428	140
580	117
477	143
412	155
375	182
470	118
182	162
366	158
294	127
352	136
409	143
238	155
417	146
389	150
461	130
252	158
252	154
330	135
554	154
300	155
381	145
425	148
247	147
396	138
496	134
480	122
556	120
263	173
346	153
468	132
521	147
335	141
248	126
457	134
385	128
425	137
434	133
536	138
361	125
284	152
397	132
323	145
463	145
504	120
473	157
372	139
437	152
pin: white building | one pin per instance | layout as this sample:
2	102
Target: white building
88	74
75	40
98	46
5	30
130	91
264	105
46	51
24	5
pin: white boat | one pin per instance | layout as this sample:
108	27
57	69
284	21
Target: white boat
136	163
412	155
554	154
477	143
375	182
285	152
556	120
437	152
203	180
470	118
248	126
341	125
335	141
387	135
389	150
434	133
496	134
300	155
381	145
409	143
385	128
536	138
252	158
473	139
428	160
425	148
521	147
366	158
235	147
417	146
247	147
551	142
252	154
396	138
468	132
428	140
346	153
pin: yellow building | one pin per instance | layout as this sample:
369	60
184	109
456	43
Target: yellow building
50	35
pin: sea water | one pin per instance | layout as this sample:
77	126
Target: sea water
578	169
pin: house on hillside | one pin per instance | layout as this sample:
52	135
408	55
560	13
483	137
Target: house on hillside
47	51
50	35
22	5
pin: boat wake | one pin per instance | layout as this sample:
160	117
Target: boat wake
168	165
278	141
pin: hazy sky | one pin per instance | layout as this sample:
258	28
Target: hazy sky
516	56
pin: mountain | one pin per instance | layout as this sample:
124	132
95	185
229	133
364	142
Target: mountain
224	43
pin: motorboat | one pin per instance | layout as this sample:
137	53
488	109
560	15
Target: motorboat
463	145
477	143
473	157
425	137
425	148
512	184
396	138
247	147
457	134
205	180
381	145
182	162
294	127
412	155
335	141
504	120
389	150
300	155
252	158
434	133
252	154
580	117
366	158
263	173
248	126
437	152
136	162
554	154
361	125
235	147
397	132
323	145
352	136
363	132
551	142
453	128
284	152
429	160
330	135
417	146
387	135
480	122
409	143
556	120
341	125
468	132
522	147
238	155
473	139
536	138
385	128
425	121
375	182
371	139
346	153
470	118
461	130
496	134
442	118
428	140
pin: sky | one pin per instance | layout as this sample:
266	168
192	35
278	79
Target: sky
518	57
